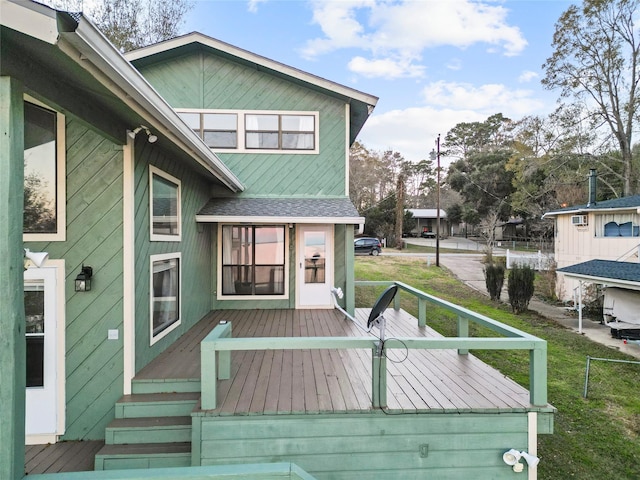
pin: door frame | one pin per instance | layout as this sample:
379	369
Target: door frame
329	265
58	266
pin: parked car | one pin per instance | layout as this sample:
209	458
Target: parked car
367	246
427	234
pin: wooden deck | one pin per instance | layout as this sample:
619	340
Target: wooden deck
61	457
315	381
325	381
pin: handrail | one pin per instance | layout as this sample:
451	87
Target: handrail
220	342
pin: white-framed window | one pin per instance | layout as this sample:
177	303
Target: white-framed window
165	206
44	173
165	294
617	225
263	131
253	261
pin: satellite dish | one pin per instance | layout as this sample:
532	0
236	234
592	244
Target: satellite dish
384	300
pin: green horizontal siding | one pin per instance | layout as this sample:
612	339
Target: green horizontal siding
457	446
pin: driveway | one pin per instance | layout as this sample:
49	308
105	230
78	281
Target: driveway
468	268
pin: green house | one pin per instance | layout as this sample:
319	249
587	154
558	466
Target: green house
192	201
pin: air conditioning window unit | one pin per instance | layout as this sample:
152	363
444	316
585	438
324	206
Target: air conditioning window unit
578	220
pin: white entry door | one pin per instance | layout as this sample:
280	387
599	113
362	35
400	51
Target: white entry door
40	298
315	266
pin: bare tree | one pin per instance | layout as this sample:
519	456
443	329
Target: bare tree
131	24
596	61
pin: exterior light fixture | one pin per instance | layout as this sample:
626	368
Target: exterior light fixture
83	280
151	137
35	258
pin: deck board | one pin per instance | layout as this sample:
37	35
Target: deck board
61	457
338	380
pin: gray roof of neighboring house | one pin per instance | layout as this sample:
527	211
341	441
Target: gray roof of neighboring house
603	270
624	203
295	210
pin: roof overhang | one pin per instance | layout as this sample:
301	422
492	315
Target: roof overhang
338	211
361	104
605	272
84	46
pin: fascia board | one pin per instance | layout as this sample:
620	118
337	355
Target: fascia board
279	219
33	19
90	47
611	282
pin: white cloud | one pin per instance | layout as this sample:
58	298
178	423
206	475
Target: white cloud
253	5
489	98
412	131
527	76
385	68
454	64
405	28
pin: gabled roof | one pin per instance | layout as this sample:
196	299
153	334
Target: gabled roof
362	104
281	210
78	58
625	203
608	272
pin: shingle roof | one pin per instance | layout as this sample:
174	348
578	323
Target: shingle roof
632	201
231	208
606	269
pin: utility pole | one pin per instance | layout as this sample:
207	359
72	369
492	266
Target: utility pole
435	155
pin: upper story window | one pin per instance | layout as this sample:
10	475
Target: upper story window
617	225
218	130
44	173
255	131
165	206
280	132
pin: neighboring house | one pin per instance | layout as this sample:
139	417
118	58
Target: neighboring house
598	230
427	220
620	282
194	184
512	229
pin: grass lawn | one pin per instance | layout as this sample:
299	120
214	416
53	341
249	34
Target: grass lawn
595	438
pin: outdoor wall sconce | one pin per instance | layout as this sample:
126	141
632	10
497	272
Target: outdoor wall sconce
83	280
151	137
37	258
512	457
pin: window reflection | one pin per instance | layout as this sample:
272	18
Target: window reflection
40	165
314	257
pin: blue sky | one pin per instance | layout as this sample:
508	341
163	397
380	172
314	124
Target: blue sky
432	63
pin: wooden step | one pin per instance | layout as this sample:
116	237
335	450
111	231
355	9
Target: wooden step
141	405
165	385
146	455
148	430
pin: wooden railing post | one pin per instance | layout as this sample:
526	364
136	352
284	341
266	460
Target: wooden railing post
378	377
463	331
538	374
422	312
210	372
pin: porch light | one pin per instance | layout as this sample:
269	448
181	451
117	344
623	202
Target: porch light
83	280
35	258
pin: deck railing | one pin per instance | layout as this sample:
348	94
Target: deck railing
216	348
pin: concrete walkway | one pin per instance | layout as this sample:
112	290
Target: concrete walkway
468	268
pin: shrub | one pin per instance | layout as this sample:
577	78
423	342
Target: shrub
494	279
520	288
